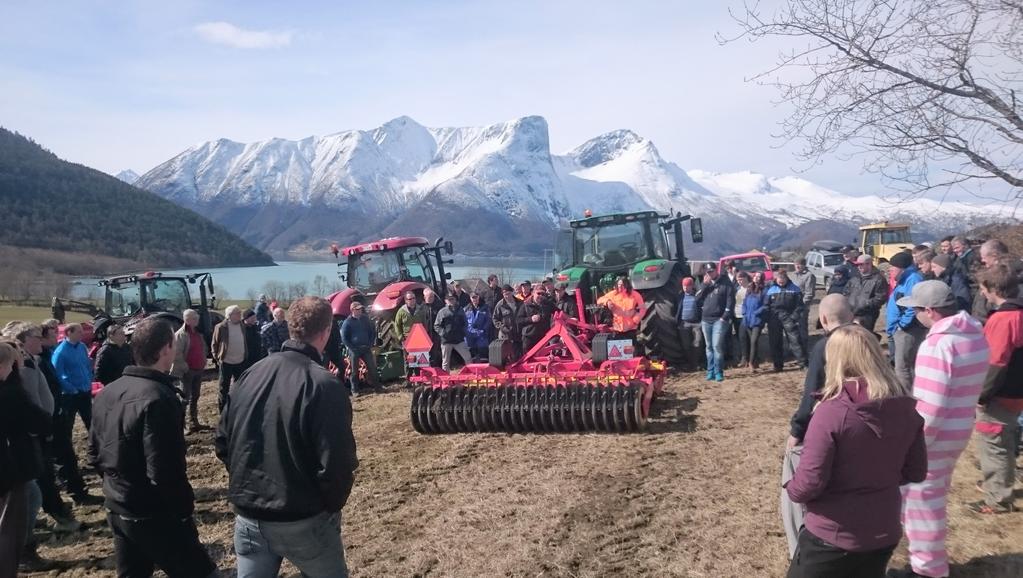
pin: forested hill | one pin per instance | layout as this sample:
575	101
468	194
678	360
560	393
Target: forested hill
55	205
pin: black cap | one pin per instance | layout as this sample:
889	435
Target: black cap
507	287
248	313
901	260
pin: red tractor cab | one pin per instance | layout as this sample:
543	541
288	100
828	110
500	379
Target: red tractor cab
379	273
752	262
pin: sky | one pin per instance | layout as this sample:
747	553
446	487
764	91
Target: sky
118	84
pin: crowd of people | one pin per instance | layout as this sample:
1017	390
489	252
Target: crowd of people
875	441
870	454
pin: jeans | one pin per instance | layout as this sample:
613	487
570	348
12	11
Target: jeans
714	336
70	405
370	360
313	545
229	373
167	543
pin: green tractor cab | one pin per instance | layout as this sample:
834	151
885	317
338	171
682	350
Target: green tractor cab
647	247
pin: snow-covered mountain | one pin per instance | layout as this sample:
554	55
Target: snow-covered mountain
496	189
128	176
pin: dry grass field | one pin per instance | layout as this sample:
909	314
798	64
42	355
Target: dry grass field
696	495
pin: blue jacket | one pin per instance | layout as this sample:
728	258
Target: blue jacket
896	316
753	309
783	300
688	309
73	366
477	327
358	333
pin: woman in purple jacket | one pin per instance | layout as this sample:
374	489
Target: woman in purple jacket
864	441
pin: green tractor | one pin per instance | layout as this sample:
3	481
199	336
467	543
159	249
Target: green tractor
594	251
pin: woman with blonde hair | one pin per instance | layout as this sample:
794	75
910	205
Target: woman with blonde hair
864	441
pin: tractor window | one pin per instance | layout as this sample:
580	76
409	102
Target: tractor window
873	238
371	272
170	296
894	236
416	269
611	245
660	241
123	300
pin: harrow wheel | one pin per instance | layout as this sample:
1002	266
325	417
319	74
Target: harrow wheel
572	407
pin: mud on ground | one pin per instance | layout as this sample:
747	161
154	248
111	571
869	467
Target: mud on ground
696	495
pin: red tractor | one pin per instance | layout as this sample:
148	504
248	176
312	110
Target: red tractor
379	273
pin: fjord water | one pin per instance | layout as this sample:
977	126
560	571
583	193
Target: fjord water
239	281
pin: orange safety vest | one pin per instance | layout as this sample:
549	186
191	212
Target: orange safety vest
627	309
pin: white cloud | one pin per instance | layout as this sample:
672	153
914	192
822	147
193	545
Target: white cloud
230	35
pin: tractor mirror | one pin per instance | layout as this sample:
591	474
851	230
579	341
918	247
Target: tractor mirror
447	275
449	247
696	229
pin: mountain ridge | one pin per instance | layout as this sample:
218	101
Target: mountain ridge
69	209
350	186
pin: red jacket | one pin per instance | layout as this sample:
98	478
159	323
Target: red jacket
1004	334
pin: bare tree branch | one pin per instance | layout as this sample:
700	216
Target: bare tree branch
913	86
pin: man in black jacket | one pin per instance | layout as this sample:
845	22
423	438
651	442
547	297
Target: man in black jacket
286	438
137	444
450	327
867	293
716	301
534	318
20	459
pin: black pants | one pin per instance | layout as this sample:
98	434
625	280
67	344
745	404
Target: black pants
815	558
749	343
167	543
869	321
784	326
803	320
69	406
229	372
52	503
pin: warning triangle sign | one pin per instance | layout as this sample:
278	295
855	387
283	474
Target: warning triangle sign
423	360
418	339
614	352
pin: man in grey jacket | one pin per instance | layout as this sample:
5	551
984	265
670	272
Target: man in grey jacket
807	283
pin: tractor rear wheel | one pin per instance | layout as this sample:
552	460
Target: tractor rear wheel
658	331
385	331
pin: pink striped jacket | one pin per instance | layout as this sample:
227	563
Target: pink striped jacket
950	369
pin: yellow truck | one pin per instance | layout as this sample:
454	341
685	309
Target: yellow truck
882	240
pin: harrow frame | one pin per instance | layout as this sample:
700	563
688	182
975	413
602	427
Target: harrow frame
556	386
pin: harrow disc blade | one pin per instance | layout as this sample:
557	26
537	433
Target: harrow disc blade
639	414
458	409
414	410
543	408
630	408
616	407
426	405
